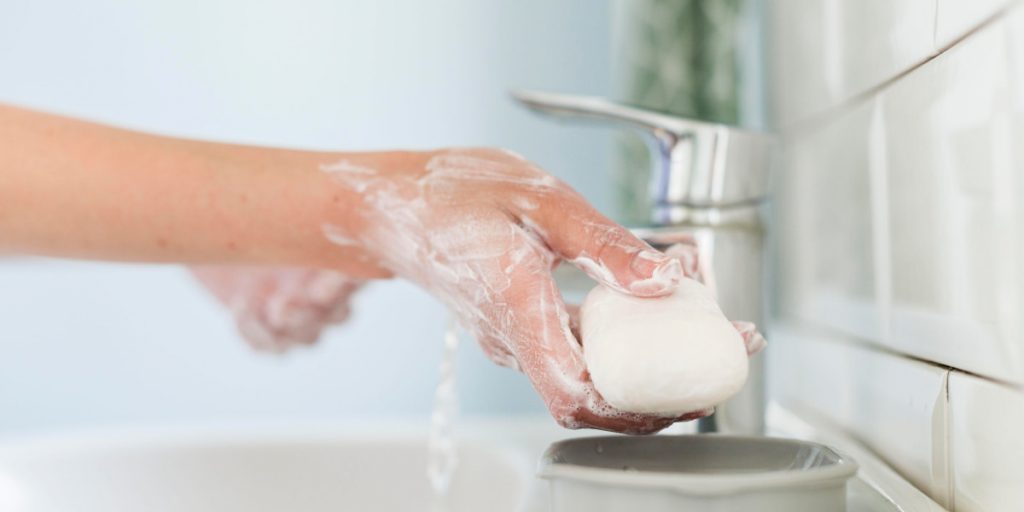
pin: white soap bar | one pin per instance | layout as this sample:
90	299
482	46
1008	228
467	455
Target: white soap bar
669	355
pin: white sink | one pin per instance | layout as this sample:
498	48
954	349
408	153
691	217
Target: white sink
255	470
323	468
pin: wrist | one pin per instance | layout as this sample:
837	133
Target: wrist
389	164
339	212
324	222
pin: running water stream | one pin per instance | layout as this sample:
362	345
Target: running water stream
441	450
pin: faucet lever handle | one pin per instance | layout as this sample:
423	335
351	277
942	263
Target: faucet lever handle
695	163
600	109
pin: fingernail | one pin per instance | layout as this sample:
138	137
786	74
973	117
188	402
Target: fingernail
646	263
664	272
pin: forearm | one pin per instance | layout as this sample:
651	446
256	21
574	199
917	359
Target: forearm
75	189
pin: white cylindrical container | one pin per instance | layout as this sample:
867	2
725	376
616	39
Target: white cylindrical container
707	473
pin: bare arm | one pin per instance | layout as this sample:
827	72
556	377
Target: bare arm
76	189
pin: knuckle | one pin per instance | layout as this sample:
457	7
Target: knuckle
608	239
570	422
569	417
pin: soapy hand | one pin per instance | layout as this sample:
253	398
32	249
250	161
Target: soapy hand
482	229
279	308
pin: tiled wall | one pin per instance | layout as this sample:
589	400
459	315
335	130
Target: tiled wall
899	223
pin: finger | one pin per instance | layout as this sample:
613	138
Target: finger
257	335
605	417
303	303
292	311
264	337
635	424
696	415
529	317
753	340
689	257
606	251
339	313
276	328
333	293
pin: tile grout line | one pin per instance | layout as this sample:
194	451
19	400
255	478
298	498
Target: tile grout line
816	120
950	466
841	336
881	235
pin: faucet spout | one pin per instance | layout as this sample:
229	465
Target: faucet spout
696	164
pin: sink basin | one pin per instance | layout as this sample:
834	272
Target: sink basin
245	470
379	467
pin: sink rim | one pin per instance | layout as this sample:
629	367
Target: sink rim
840	469
26	461
85	442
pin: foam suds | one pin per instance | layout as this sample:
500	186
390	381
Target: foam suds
337	236
442	457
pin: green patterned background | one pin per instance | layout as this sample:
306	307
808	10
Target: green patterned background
676	56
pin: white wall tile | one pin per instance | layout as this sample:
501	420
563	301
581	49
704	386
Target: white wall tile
823	53
825	218
898	217
899	224
987	422
895	406
954	206
954	18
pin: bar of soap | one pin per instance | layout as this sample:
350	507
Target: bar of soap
667	355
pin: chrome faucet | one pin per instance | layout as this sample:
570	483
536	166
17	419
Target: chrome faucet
709	182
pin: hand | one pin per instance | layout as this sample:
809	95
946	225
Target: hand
481	229
279	308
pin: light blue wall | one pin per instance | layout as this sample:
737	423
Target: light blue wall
92	344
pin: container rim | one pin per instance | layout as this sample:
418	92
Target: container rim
702	484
